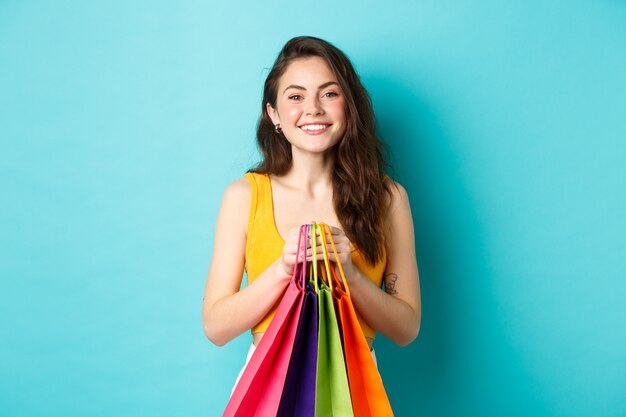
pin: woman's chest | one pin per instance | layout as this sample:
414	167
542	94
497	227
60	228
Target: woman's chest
291	213
293	208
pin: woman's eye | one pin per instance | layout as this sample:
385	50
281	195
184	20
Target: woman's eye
331	94
295	97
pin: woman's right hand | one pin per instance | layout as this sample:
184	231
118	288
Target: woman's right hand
287	262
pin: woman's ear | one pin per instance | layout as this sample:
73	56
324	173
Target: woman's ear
272	113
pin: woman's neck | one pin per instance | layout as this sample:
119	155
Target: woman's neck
311	173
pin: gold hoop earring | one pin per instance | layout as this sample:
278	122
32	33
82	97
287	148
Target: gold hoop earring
277	128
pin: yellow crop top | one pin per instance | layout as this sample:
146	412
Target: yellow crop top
264	245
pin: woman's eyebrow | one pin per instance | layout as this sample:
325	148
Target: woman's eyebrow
299	87
326	84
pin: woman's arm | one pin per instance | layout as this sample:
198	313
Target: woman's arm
227	312
395	312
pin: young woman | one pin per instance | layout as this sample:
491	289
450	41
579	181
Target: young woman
322	162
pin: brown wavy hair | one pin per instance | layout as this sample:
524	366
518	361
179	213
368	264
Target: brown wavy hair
360	189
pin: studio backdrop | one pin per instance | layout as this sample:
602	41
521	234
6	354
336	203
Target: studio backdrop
122	122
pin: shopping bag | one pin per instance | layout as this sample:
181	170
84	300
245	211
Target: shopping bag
298	397
332	394
367	391
259	390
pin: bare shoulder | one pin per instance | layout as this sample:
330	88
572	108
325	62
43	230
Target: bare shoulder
398	196
238	190
235	207
398	216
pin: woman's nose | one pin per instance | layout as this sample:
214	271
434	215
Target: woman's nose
315	107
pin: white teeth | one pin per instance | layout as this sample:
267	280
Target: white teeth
314	127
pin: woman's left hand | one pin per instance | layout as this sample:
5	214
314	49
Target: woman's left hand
344	251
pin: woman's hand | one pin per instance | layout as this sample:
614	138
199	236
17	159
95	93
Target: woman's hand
343	246
287	262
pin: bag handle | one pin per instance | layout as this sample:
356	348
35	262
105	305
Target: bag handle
314	228
303	268
307	233
326	228
325	280
321	228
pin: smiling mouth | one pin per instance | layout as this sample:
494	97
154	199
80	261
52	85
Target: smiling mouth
314	128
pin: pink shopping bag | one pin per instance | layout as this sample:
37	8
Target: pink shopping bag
259	390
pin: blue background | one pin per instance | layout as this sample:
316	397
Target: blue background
122	122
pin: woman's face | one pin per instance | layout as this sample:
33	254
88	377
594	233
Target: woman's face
310	105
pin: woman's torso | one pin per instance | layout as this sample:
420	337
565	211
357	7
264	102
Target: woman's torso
276	208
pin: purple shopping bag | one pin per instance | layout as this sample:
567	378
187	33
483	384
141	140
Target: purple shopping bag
298	398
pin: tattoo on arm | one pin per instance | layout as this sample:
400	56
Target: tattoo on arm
390	283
